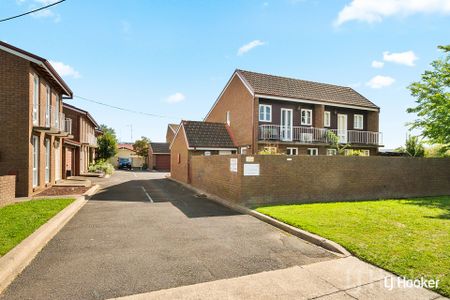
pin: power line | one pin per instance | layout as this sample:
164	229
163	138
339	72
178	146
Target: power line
31	11
126	109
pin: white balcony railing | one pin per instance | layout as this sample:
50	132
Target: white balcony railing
90	139
312	135
48	117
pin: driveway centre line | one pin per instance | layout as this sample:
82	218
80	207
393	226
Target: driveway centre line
146	194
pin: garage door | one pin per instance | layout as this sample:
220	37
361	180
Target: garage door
162	161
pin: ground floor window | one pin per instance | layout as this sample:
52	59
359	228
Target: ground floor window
35	143
331	152
270	150
291	151
47	160
243	150
313	151
207	153
225	152
365	152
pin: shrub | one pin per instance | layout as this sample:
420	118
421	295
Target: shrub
101	166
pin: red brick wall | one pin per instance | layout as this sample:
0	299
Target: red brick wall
15	119
239	102
7	189
305	179
179	158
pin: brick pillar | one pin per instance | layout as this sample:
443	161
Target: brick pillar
318	115
373	121
254	149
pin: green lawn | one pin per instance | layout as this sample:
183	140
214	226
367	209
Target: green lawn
18	221
408	237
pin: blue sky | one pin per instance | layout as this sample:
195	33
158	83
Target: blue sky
173	58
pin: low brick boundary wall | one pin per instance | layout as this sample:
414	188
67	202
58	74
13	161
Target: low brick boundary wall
7	189
303	179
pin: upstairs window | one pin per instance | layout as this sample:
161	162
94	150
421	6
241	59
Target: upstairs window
228	118
35	100
265	113
326	119
306	116
358	122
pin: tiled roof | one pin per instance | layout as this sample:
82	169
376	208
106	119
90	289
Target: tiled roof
128	146
207	134
160	147
301	89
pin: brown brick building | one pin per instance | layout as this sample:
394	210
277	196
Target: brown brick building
293	116
32	118
80	146
198	138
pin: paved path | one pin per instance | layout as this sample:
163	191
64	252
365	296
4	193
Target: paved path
344	279
144	233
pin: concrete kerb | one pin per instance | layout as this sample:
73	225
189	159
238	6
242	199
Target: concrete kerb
15	261
305	235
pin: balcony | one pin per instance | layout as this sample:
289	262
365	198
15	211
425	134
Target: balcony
53	122
311	135
90	139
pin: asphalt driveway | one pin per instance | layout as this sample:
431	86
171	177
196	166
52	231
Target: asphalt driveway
142	232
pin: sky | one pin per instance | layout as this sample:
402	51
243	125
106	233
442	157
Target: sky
169	60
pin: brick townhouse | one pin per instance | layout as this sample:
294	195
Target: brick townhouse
32	118
80	146
292	116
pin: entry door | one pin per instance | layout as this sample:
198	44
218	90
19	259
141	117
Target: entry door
286	124
342	128
57	161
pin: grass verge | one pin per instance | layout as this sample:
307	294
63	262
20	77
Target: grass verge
19	220
409	237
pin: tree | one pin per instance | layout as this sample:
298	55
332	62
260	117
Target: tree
141	146
107	143
334	141
432	95
413	147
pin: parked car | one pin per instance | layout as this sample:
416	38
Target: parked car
124	163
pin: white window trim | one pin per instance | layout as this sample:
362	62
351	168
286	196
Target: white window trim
35	171
306	119
228	118
347	152
333	150
356	123
313	149
35	99
264	114
47	160
366	152
326	113
292	148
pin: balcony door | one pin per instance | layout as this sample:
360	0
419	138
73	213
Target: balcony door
286	124
342	128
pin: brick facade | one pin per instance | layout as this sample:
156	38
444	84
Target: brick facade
239	102
7	189
303	179
17	129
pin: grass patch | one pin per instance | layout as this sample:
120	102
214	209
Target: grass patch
409	237
18	221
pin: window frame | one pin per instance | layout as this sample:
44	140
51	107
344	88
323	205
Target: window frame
35	163
316	150
292	148
265	106
366	152
333	150
36	88
356	119
47	143
228	117
306	119
325	114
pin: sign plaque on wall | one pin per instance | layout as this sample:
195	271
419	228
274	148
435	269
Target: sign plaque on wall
233	165
251	169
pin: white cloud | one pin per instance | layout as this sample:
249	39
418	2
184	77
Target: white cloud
377	64
380	81
46	13
376	10
247	47
404	58
65	70
176	98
